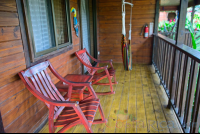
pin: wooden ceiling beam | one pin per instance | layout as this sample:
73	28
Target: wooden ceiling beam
194	2
169	8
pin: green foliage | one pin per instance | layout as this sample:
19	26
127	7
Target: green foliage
195	36
166	26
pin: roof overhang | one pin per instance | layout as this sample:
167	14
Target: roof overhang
167	5
174	2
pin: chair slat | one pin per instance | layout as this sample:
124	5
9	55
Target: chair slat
85	59
49	87
38	89
46	93
53	86
43	86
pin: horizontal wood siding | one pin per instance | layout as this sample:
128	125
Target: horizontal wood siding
21	111
110	29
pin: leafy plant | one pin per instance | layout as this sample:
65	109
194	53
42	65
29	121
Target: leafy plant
166	26
195	36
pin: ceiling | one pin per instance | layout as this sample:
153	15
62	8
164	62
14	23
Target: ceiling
171	2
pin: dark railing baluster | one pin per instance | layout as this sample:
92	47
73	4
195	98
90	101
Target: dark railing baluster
157	51
174	77
184	88
167	66
180	81
195	123
164	60
165	63
177	67
178	77
159	57
172	52
190	93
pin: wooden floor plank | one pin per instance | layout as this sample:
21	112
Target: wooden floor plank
108	101
112	119
122	114
141	124
131	123
139	105
149	107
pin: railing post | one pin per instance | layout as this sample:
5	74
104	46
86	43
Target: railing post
156	26
1	125
181	22
179	41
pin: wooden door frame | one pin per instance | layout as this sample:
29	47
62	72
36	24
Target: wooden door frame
94	8
80	27
1	125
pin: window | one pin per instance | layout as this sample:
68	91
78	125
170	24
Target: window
48	26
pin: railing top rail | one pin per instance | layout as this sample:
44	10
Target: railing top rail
192	53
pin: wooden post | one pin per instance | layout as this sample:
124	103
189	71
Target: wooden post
179	41
157	16
156	24
1	125
181	22
193	10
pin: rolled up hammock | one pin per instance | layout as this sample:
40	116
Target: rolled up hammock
126	47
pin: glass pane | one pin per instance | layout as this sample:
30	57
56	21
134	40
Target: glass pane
61	21
40	25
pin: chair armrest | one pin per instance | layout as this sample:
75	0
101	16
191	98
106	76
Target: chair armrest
70	83
62	103
100	68
78	84
106	61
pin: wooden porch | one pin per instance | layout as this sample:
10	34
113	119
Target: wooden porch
139	105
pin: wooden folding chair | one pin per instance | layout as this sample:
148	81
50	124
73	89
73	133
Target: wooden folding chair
107	73
62	112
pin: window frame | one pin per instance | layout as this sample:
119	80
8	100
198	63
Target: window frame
34	57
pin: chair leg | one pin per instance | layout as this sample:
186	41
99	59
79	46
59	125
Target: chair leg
103	119
101	112
51	121
110	81
88	129
115	79
51	126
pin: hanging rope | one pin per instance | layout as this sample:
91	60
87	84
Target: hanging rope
126	47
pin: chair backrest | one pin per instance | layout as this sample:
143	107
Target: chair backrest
39	83
82	56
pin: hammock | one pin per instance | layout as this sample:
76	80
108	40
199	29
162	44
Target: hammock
126	47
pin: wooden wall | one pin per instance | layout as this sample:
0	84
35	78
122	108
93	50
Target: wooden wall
21	111
110	29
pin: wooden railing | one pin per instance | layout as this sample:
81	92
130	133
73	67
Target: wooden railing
172	35
178	69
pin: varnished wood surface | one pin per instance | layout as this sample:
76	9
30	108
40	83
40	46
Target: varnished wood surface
110	29
21	111
139	105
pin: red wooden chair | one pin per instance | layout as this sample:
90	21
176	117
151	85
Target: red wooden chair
107	73
62	112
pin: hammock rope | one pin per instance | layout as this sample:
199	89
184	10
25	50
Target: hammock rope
126	47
